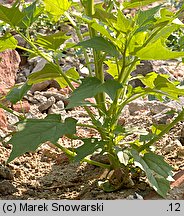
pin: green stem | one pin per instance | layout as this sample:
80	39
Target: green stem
164	131
47	58
89	161
79	35
100	98
25	49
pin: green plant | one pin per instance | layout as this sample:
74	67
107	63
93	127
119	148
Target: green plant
119	41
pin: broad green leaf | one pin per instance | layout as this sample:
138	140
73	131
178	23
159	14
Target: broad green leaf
47	73
102	30
31	12
33	132
17	93
165	16
147	16
158	165
160	84
112	68
157	173
56	7
147	137
111	87
137	3
103	15
72	74
13	16
137	41
90	87
100	44
106	186
7	42
157	51
149	79
123	24
88	148
164	85
52	42
164	33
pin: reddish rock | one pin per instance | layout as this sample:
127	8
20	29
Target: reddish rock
22	107
9	63
179	179
3	120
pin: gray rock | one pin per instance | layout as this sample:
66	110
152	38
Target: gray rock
156	107
7	188
135	106
58	96
47	104
39	97
21	41
5	173
136	196
40	65
162	117
26	72
57	108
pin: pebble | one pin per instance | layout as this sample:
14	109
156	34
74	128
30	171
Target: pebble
163	117
136	196
5	173
7	188
39	97
57	108
47	104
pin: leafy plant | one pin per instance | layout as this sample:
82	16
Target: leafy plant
113	39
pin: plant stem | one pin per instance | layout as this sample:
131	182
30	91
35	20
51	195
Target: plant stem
100	98
40	53
89	161
79	35
164	131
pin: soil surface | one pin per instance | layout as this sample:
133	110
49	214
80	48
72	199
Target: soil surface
48	174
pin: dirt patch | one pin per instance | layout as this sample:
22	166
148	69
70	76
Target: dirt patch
48	174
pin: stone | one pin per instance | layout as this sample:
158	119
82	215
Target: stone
39	97
43	107
58	96
21	41
58	108
9	63
135	106
5	173
7	188
22	107
40	65
45	85
163	117
136	196
3	120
